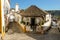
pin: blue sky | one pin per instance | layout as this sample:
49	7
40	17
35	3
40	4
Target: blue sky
43	4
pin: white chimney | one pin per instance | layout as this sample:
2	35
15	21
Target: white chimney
17	7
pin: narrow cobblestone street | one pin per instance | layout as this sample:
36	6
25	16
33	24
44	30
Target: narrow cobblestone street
25	36
29	20
53	34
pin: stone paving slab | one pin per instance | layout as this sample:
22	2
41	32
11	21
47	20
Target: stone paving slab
29	36
17	36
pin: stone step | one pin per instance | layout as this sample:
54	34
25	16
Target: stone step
54	30
14	27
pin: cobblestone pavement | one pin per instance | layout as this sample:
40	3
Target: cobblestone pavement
53	34
28	36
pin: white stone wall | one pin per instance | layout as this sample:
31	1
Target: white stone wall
37	20
26	19
2	14
6	6
48	17
48	20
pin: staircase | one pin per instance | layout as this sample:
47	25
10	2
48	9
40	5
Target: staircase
14	27
54	31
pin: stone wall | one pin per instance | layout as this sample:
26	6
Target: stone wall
26	19
38	20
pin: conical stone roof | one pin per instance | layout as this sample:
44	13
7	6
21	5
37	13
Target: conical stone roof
33	11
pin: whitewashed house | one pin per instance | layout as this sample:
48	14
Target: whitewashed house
35	16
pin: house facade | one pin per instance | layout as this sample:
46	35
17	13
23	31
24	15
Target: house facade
6	6
4	9
34	16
